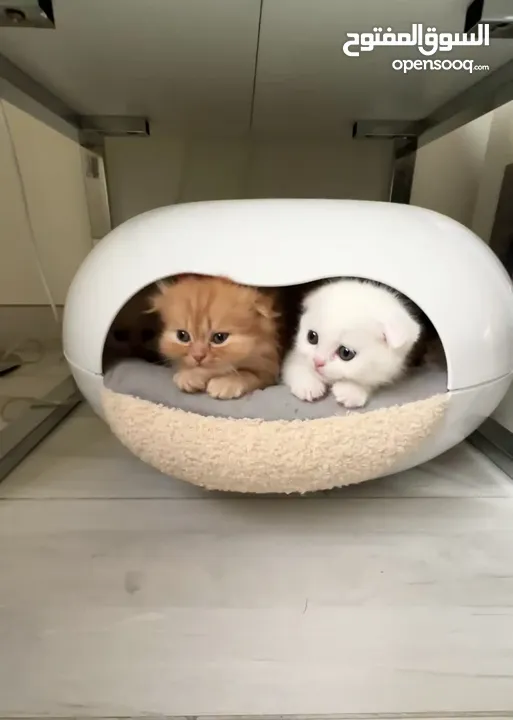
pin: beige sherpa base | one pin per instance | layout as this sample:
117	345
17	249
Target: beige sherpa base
278	456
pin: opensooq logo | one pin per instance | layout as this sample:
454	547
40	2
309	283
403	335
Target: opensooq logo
428	43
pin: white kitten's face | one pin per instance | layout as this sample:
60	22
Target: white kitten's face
339	352
358	336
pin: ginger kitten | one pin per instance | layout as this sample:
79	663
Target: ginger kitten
224	337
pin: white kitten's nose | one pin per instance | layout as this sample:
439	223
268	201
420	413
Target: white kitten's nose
319	363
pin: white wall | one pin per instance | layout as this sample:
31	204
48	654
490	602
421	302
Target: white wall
460	175
52	172
18	275
499	153
145	173
449	171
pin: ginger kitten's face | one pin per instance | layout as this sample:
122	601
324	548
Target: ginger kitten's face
214	323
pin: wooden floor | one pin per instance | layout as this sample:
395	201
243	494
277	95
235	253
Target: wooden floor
43	369
123	593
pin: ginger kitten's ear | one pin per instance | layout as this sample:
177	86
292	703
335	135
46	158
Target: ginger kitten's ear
162	286
264	305
156	301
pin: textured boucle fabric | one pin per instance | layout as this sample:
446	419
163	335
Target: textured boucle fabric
271	456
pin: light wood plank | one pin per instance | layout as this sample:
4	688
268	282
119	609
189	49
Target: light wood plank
244	553
119	662
125	593
241	606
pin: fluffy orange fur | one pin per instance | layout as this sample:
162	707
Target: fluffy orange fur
224	337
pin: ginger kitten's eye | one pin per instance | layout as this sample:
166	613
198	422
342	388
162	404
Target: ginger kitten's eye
219	338
345	353
312	337
183	336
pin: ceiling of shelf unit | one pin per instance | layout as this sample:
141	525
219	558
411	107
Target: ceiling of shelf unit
191	64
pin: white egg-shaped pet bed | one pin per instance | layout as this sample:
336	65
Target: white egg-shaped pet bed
269	441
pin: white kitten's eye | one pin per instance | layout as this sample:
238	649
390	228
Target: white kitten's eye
183	336
345	353
312	337
219	338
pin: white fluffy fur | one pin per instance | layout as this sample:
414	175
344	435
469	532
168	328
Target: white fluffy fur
365	318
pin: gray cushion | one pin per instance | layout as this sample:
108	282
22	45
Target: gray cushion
154	383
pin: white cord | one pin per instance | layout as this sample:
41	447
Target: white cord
32	235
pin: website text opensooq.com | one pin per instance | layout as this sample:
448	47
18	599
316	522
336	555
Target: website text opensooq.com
407	66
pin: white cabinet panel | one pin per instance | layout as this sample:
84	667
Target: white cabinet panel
306	83
190	62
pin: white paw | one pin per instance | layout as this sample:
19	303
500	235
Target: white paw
350	395
306	386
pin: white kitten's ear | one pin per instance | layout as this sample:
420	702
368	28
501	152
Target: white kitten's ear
306	302
401	331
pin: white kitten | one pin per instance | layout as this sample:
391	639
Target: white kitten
353	337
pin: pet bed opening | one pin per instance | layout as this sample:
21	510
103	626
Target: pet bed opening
134	332
132	366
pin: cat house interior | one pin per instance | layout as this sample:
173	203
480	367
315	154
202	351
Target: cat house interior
131	355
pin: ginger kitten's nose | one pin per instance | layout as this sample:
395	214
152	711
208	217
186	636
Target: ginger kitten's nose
319	363
198	355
